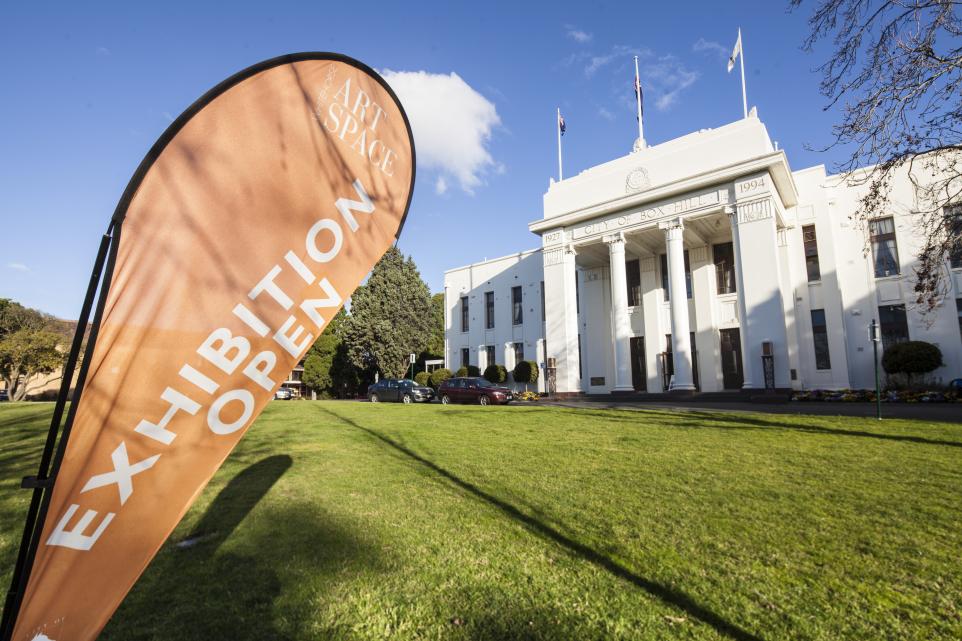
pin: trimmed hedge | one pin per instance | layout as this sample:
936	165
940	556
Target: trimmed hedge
421	378
911	358
526	372
470	370
438	376
496	373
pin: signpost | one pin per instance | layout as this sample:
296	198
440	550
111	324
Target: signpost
411	359
875	336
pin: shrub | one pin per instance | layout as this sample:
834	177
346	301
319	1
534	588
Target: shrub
421	378
496	373
526	372
468	370
438	376
911	358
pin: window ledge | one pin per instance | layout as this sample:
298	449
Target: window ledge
889	277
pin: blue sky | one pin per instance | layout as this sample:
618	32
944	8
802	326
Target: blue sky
88	87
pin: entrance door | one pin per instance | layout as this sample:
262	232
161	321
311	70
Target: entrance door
639	371
731	359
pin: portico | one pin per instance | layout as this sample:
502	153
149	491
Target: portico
664	276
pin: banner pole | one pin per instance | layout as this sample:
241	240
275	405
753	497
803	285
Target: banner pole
557	125
42	484
741	60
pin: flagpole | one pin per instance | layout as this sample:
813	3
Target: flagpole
557	126
741	59
641	128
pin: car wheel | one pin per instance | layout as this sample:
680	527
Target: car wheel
445	399
374	398
406	399
483	400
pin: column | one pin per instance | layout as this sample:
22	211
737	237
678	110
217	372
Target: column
748	363
509	356
619	313
561	328
678	299
482	357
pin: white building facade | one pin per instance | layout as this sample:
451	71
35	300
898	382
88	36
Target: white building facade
703	263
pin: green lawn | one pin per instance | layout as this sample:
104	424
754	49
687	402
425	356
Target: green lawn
359	521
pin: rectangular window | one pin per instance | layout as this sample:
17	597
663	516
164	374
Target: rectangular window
543	317
633	278
517	309
490	358
723	255
895	328
953	223
885	251
464	314
579	356
465	356
518	353
958	307
811	254
577	294
664	275
489	310
820	336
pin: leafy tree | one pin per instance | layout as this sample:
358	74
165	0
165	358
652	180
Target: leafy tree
30	345
468	370
525	372
422	378
327	368
435	346
496	373
896	71
390	317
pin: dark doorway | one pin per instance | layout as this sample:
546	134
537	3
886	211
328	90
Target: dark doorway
639	371
668	362
731	359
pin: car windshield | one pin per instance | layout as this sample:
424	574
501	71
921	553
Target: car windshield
406	381
485	383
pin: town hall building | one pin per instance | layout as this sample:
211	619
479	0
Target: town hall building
703	263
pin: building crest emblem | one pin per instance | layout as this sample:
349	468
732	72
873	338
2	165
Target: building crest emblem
637	180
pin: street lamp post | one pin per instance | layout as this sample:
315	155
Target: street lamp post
873	334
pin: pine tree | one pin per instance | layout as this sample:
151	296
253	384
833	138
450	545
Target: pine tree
391	317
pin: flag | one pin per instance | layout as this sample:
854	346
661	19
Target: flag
561	123
239	243
639	96
735	52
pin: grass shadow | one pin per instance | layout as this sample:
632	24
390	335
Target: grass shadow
664	593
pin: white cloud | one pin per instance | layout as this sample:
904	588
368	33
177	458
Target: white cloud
103	51
579	36
440	186
668	76
20	267
604	113
452	124
708	46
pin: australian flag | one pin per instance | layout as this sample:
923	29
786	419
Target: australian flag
561	123
639	96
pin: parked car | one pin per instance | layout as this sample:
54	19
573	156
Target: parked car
402	390
283	394
4	396
474	390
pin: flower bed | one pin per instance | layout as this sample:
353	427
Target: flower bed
888	396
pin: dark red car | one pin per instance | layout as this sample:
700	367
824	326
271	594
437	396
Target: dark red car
473	390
